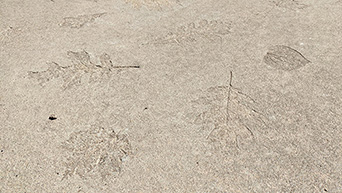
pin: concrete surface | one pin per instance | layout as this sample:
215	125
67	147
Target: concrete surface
170	96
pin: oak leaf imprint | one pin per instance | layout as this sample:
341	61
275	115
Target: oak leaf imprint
81	61
106	61
54	71
81	65
71	75
97	150
285	58
79	21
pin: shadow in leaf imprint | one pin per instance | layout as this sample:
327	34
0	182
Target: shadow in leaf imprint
285	58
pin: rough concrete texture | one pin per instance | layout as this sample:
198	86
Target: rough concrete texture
170	96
